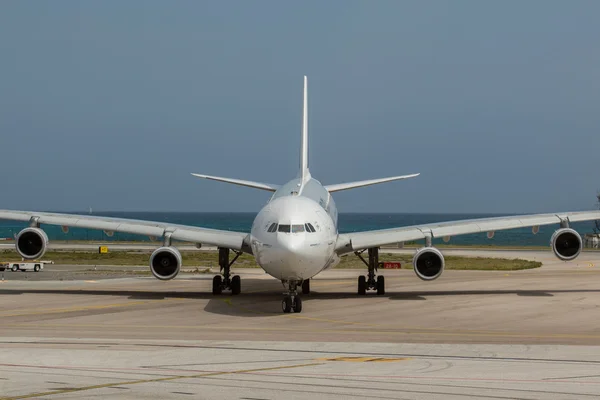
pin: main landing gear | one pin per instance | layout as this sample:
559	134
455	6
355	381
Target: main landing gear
291	301
306	286
370	282
226	281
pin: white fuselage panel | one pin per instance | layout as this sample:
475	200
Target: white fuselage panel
293	237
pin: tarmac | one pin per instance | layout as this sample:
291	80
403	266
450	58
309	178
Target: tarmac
528	334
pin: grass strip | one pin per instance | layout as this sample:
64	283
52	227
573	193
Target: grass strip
208	259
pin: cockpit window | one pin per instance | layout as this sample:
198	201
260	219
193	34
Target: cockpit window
272	228
297	228
284	228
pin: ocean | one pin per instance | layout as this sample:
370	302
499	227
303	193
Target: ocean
348	222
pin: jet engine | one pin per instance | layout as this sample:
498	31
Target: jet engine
31	243
428	263
566	244
165	263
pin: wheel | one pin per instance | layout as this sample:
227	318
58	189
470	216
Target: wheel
362	285
14	268
286	304
306	286
380	285
298	305
236	285
217	280
36	268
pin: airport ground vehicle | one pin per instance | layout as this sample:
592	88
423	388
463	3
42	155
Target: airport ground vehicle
15	266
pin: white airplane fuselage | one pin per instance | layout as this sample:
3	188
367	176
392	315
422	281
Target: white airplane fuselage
282	237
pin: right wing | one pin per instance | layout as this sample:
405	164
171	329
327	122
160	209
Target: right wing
228	239
350	242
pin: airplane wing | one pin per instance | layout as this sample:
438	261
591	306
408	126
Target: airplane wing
350	242
229	239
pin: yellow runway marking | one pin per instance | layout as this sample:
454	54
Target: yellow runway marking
140	381
364	359
332	321
43	311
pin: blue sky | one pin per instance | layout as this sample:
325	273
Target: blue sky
112	104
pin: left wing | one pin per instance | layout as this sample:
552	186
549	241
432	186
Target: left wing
363	240
229	239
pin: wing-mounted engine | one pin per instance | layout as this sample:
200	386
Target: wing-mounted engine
428	263
31	243
566	244
165	263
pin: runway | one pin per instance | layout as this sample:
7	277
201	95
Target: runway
470	334
133	369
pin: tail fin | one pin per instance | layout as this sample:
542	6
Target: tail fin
352	185
304	173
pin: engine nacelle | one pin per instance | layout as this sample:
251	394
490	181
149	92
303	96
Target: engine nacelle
165	263
428	263
566	244
31	243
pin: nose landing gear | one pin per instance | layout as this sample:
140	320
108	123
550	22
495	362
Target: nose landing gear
226	281
371	282
291	301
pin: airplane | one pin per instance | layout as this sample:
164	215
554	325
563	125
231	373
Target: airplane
295	235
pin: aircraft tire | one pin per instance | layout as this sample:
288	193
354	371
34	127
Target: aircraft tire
306	286
362	285
216	287
298	305
380	285
286	304
236	285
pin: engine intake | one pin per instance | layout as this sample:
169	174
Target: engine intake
566	244
428	263
31	243
165	263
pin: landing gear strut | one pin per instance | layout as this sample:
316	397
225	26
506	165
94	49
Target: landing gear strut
370	282
291	301
226	281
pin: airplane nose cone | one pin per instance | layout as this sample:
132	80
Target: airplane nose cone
292	258
291	245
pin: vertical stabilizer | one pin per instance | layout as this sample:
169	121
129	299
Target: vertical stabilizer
304	174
